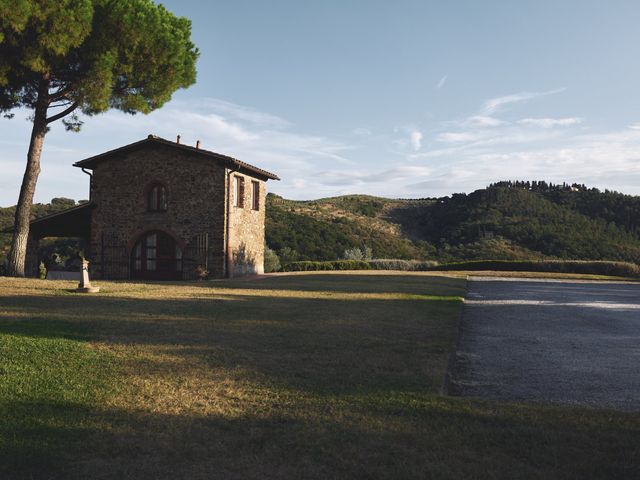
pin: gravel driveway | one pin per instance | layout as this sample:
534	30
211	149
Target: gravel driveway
558	341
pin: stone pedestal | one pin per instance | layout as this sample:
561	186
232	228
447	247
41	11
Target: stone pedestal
85	284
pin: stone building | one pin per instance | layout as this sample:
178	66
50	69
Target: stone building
162	210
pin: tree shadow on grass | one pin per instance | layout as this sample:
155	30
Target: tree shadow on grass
43	328
313	344
414	437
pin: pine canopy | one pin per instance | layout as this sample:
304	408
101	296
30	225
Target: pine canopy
95	54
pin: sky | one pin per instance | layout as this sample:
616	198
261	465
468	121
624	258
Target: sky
406	99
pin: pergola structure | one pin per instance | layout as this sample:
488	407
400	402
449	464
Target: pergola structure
73	222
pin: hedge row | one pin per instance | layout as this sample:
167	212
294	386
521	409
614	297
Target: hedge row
618	269
381	264
332	265
405	265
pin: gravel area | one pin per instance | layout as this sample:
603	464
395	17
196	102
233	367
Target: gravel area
555	341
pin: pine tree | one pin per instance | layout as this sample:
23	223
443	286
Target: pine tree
62	57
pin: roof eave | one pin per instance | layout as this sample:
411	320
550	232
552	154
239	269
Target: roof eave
90	162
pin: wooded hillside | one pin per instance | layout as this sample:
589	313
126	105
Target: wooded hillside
507	220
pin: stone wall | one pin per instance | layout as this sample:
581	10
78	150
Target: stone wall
246	232
195	205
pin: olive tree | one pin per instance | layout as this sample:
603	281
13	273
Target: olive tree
62	58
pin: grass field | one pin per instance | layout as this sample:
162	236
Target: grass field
303	376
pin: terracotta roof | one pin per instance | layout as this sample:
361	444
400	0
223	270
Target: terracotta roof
152	139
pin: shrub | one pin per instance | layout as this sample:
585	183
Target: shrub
271	261
404	265
358	254
379	264
308	266
201	272
288	255
42	271
353	254
351	265
619	269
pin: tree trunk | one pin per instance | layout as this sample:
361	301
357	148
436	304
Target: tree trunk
18	252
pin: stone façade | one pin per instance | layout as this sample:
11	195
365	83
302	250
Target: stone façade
201	224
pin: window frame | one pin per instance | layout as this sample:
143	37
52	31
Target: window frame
157	197
255	195
238	191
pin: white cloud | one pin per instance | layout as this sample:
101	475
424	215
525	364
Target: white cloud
256	137
241	112
355	178
610	160
481	149
299	183
409	138
362	132
482	121
470	152
213	124
551	122
486	128
458	137
494	105
493	138
416	140
484	132
442	82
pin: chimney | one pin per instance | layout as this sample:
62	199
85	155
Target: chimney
198	144
178	140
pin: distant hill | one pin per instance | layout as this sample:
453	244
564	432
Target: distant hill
505	221
324	229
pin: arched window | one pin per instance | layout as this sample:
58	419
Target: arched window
157	198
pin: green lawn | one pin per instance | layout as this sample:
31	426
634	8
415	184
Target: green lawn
303	376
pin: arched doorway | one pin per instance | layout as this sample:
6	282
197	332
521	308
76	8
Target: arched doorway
156	256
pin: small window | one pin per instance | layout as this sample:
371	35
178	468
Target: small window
157	199
238	191
255	195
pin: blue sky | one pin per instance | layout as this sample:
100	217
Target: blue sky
399	99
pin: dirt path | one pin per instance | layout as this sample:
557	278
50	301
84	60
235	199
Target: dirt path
558	341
